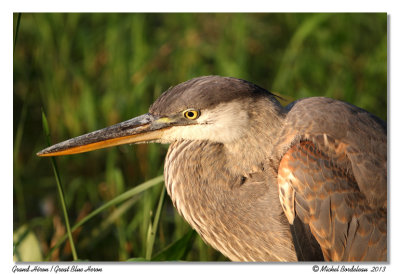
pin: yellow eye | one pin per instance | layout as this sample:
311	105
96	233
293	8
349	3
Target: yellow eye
191	114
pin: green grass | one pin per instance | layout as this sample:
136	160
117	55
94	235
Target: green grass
88	71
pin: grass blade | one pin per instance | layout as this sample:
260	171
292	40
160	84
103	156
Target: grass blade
153	227
16	30
178	250
139	259
59	188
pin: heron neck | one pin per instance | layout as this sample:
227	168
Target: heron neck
205	182
249	153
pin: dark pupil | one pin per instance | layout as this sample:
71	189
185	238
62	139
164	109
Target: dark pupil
190	114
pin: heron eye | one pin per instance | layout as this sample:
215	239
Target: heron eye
191	114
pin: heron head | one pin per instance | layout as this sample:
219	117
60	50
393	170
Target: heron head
213	108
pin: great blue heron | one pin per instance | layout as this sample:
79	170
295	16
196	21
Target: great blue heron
262	182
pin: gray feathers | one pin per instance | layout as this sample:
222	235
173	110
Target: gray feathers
205	92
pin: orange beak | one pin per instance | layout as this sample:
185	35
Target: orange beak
144	128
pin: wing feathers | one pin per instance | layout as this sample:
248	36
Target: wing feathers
320	189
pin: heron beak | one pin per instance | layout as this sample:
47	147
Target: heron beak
144	128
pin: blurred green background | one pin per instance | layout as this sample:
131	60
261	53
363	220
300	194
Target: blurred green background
88	71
